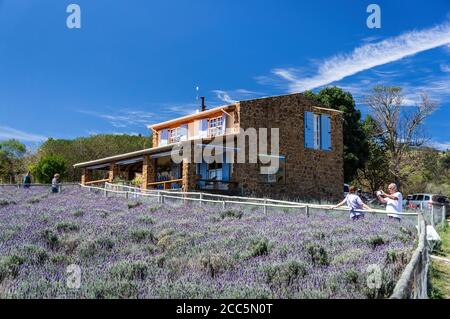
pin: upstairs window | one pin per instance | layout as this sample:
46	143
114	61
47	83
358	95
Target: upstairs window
175	135
317	131
216	126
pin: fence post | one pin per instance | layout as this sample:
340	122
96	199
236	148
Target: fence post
223	205
106	193
432	215
201	199
126	195
265	207
162	199
307	210
444	213
159	197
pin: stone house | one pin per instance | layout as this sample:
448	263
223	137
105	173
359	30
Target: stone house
309	153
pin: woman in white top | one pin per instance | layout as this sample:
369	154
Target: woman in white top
353	202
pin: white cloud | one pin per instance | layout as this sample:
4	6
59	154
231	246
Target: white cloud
11	133
366	57
442	146
124	118
224	96
233	96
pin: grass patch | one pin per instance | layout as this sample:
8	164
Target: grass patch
35	254
147	220
51	239
67	227
139	235
258	247
231	213
129	270
9	266
78	213
318	255
284	274
132	205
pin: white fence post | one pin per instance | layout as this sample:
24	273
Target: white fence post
432	215
201	199
265	206
444	213
223	205
307	210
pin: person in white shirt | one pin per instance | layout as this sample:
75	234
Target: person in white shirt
355	204
393	201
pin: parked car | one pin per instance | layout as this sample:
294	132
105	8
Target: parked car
425	201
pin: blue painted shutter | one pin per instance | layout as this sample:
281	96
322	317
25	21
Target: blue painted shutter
326	132
184	132
203	171
164	137
309	130
225	169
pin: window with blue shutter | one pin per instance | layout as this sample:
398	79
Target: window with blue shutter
164	137
325	132
224	124
226	167
309	130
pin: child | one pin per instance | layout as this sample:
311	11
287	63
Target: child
353	202
55	183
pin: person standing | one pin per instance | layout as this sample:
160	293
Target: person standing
27	180
355	204
55	183
393	201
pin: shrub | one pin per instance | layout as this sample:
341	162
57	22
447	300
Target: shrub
376	241
284	274
5	202
67	226
351	276
50	238
231	214
60	259
34	200
9	266
129	270
318	255
105	243
139	235
78	213
132	205
35	254
114	290
259	247
214	264
88	249
47	167
146	220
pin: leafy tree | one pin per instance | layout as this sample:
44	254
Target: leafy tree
374	175
355	140
47	167
85	149
11	159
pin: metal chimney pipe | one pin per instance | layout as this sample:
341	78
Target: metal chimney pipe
203	103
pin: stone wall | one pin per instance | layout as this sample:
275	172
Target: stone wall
148	171
310	174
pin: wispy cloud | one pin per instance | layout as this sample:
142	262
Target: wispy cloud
443	146
233	96
11	133
366	57
123	118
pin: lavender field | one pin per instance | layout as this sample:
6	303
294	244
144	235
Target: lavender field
133	249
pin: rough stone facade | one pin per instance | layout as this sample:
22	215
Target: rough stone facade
148	171
309	173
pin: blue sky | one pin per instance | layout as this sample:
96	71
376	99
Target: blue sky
138	62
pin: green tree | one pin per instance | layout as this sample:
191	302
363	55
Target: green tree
374	175
85	149
47	167
355	140
11	159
